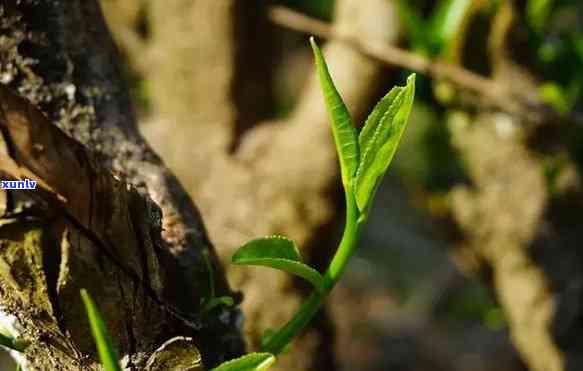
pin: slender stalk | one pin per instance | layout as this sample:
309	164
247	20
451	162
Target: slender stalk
310	307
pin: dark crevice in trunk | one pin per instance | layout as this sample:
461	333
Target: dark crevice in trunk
129	326
51	249
107	251
252	84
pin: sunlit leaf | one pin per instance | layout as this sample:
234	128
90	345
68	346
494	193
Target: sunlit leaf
342	127
276	252
107	353
249	362
379	140
371	125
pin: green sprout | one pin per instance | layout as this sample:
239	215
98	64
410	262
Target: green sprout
364	158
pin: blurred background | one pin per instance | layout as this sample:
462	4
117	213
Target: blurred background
471	250
471	259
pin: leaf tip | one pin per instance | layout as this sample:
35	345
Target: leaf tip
84	295
313	42
316	50
411	79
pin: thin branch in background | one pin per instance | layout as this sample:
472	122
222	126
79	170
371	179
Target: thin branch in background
494	93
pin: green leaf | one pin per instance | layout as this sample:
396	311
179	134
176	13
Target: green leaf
446	22
371	125
276	252
105	348
249	362
11	342
342	127
379	139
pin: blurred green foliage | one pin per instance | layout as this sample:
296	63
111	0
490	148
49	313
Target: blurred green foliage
432	36
473	302
427	156
556	38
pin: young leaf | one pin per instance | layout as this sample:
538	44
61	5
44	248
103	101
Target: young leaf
276	252
249	362
371	125
105	348
342	127
379	140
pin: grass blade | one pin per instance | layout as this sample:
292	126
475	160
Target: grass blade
105	348
249	362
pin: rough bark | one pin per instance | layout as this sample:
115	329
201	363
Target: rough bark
281	176
145	267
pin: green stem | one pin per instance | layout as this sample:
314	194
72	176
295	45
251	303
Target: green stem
277	342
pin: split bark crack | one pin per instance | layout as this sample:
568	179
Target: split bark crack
22	129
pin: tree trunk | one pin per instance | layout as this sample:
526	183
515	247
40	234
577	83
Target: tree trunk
250	175
521	228
107	216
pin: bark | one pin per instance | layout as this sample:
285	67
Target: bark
110	217
252	176
520	229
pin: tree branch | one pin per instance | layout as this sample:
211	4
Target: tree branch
495	93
